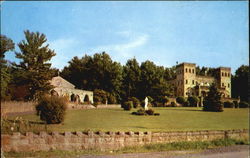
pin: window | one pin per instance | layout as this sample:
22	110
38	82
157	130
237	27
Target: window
193	71
222	84
228	85
222	74
186	70
189	70
228	74
186	81
193	81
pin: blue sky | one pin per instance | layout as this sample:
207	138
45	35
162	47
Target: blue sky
207	33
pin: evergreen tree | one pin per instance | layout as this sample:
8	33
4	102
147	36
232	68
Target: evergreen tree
6	45
212	101
34	69
131	78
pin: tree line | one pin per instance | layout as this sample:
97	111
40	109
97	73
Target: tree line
29	79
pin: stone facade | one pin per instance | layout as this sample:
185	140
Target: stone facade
187	83
66	89
106	140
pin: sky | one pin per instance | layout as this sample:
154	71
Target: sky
208	33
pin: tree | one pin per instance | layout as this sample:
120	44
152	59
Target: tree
131	78
6	45
240	83
97	72
212	102
34	69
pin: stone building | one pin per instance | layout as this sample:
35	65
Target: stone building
66	89
188	83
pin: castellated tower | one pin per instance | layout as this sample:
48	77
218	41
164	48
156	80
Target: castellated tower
224	81
185	79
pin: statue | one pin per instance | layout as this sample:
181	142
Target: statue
146	103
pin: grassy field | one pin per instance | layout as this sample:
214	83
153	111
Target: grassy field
170	119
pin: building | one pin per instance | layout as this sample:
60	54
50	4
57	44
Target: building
66	89
188	83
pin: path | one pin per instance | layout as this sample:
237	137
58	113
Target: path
239	151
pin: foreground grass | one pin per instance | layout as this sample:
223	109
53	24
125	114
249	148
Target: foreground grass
198	145
170	119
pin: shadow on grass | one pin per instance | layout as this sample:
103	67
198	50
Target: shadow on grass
188	110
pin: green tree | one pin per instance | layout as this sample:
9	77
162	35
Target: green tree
97	72
34	69
193	100
212	102
6	45
131	78
240	83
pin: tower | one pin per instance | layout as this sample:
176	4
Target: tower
224	81
185	79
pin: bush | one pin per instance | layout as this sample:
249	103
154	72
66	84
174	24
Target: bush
162	99
136	102
127	105
101	95
186	104
173	104
193	101
157	104
141	112
228	104
236	104
51	109
243	104
180	100
112	99
150	112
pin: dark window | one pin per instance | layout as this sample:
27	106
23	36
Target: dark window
186	70
193	81
189	70
193	71
186	81
222	84
228	85
222	74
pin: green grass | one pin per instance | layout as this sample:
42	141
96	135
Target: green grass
170	119
198	145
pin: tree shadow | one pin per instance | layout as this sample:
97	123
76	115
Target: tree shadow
187	109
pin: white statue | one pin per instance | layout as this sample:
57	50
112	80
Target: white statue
146	103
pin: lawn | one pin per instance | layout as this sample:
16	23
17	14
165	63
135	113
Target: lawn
170	119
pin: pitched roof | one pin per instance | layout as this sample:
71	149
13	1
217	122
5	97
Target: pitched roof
61	82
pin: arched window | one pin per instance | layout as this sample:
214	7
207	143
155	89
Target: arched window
222	74
186	70
86	98
186	81
72	98
193	71
189	70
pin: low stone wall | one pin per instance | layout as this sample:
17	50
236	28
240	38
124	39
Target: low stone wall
15	107
106	141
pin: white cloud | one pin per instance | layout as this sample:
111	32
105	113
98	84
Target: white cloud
124	50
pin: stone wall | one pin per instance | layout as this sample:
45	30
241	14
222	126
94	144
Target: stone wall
106	140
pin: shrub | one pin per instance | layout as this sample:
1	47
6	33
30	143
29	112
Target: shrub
127	105
236	104
180	100
162	99
101	95
51	109
243	104
193	101
173	104
112	99
186	104
136	102
150	112
157	114
141	112
228	104
157	104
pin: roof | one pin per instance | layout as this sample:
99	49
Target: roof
61	82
